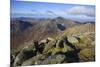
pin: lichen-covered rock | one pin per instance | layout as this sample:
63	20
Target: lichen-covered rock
62	50
72	39
63	45
49	46
47	40
44	59
54	59
26	53
33	60
56	50
86	40
87	54
66	48
61	41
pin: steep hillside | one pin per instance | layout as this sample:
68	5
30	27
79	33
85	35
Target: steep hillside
24	30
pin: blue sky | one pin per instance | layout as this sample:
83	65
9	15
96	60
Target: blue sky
50	10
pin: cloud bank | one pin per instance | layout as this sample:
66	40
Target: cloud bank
81	10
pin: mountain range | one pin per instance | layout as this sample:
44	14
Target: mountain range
51	42
28	29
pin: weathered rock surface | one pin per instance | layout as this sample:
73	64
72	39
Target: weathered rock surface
87	55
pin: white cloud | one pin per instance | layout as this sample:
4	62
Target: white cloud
82	10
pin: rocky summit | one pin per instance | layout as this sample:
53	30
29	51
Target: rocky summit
76	44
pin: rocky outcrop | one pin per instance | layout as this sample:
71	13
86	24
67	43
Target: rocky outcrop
87	55
24	54
63	49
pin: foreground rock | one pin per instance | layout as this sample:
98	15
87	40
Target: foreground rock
26	53
86	55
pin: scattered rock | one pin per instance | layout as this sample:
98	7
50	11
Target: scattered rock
54	59
32	61
47	40
49	46
72	40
